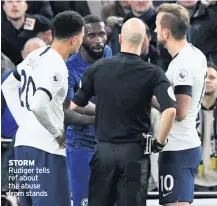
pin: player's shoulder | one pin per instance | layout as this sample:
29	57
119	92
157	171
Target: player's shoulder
53	62
151	68
73	60
107	51
100	63
188	59
192	55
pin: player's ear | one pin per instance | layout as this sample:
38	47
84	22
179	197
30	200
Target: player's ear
144	44
120	38
145	41
166	33
73	40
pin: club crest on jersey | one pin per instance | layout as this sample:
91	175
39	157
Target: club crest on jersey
84	202
182	75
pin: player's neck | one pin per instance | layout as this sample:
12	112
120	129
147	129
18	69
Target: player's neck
61	48
209	101
174	47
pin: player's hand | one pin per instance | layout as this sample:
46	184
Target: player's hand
61	141
157	146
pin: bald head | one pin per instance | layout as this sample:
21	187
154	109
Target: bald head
133	33
31	45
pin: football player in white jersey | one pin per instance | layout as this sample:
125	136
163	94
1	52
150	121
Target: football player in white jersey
43	79
187	73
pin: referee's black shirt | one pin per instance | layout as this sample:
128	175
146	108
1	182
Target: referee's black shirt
123	85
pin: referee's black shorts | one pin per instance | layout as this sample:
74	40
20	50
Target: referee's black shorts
119	173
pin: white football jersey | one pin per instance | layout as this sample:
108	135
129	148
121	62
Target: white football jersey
43	69
189	67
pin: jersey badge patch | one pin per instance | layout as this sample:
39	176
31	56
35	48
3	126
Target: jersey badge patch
182	75
56	78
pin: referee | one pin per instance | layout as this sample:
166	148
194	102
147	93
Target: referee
124	86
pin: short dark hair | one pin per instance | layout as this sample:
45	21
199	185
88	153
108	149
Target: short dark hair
212	65
89	19
67	24
176	19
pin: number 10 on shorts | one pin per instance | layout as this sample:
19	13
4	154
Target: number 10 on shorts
166	184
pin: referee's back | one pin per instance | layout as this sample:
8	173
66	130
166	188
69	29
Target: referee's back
124	86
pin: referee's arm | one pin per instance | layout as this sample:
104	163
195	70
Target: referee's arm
166	98
85	91
78	117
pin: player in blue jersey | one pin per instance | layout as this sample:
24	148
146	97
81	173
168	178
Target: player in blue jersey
80	139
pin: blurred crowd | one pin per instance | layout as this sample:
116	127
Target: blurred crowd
27	25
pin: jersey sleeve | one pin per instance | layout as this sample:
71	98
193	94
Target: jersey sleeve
51	81
164	91
182	77
86	88
183	81
72	83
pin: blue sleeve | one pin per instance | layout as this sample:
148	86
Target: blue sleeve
107	51
3	102
72	84
72	81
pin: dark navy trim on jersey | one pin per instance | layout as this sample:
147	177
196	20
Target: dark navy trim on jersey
175	56
183	89
46	91
17	75
45	51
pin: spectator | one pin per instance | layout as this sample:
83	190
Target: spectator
114	13
60	6
207	130
12	26
6	64
41	7
140	9
117	8
36	26
203	32
150	53
89	7
31	45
